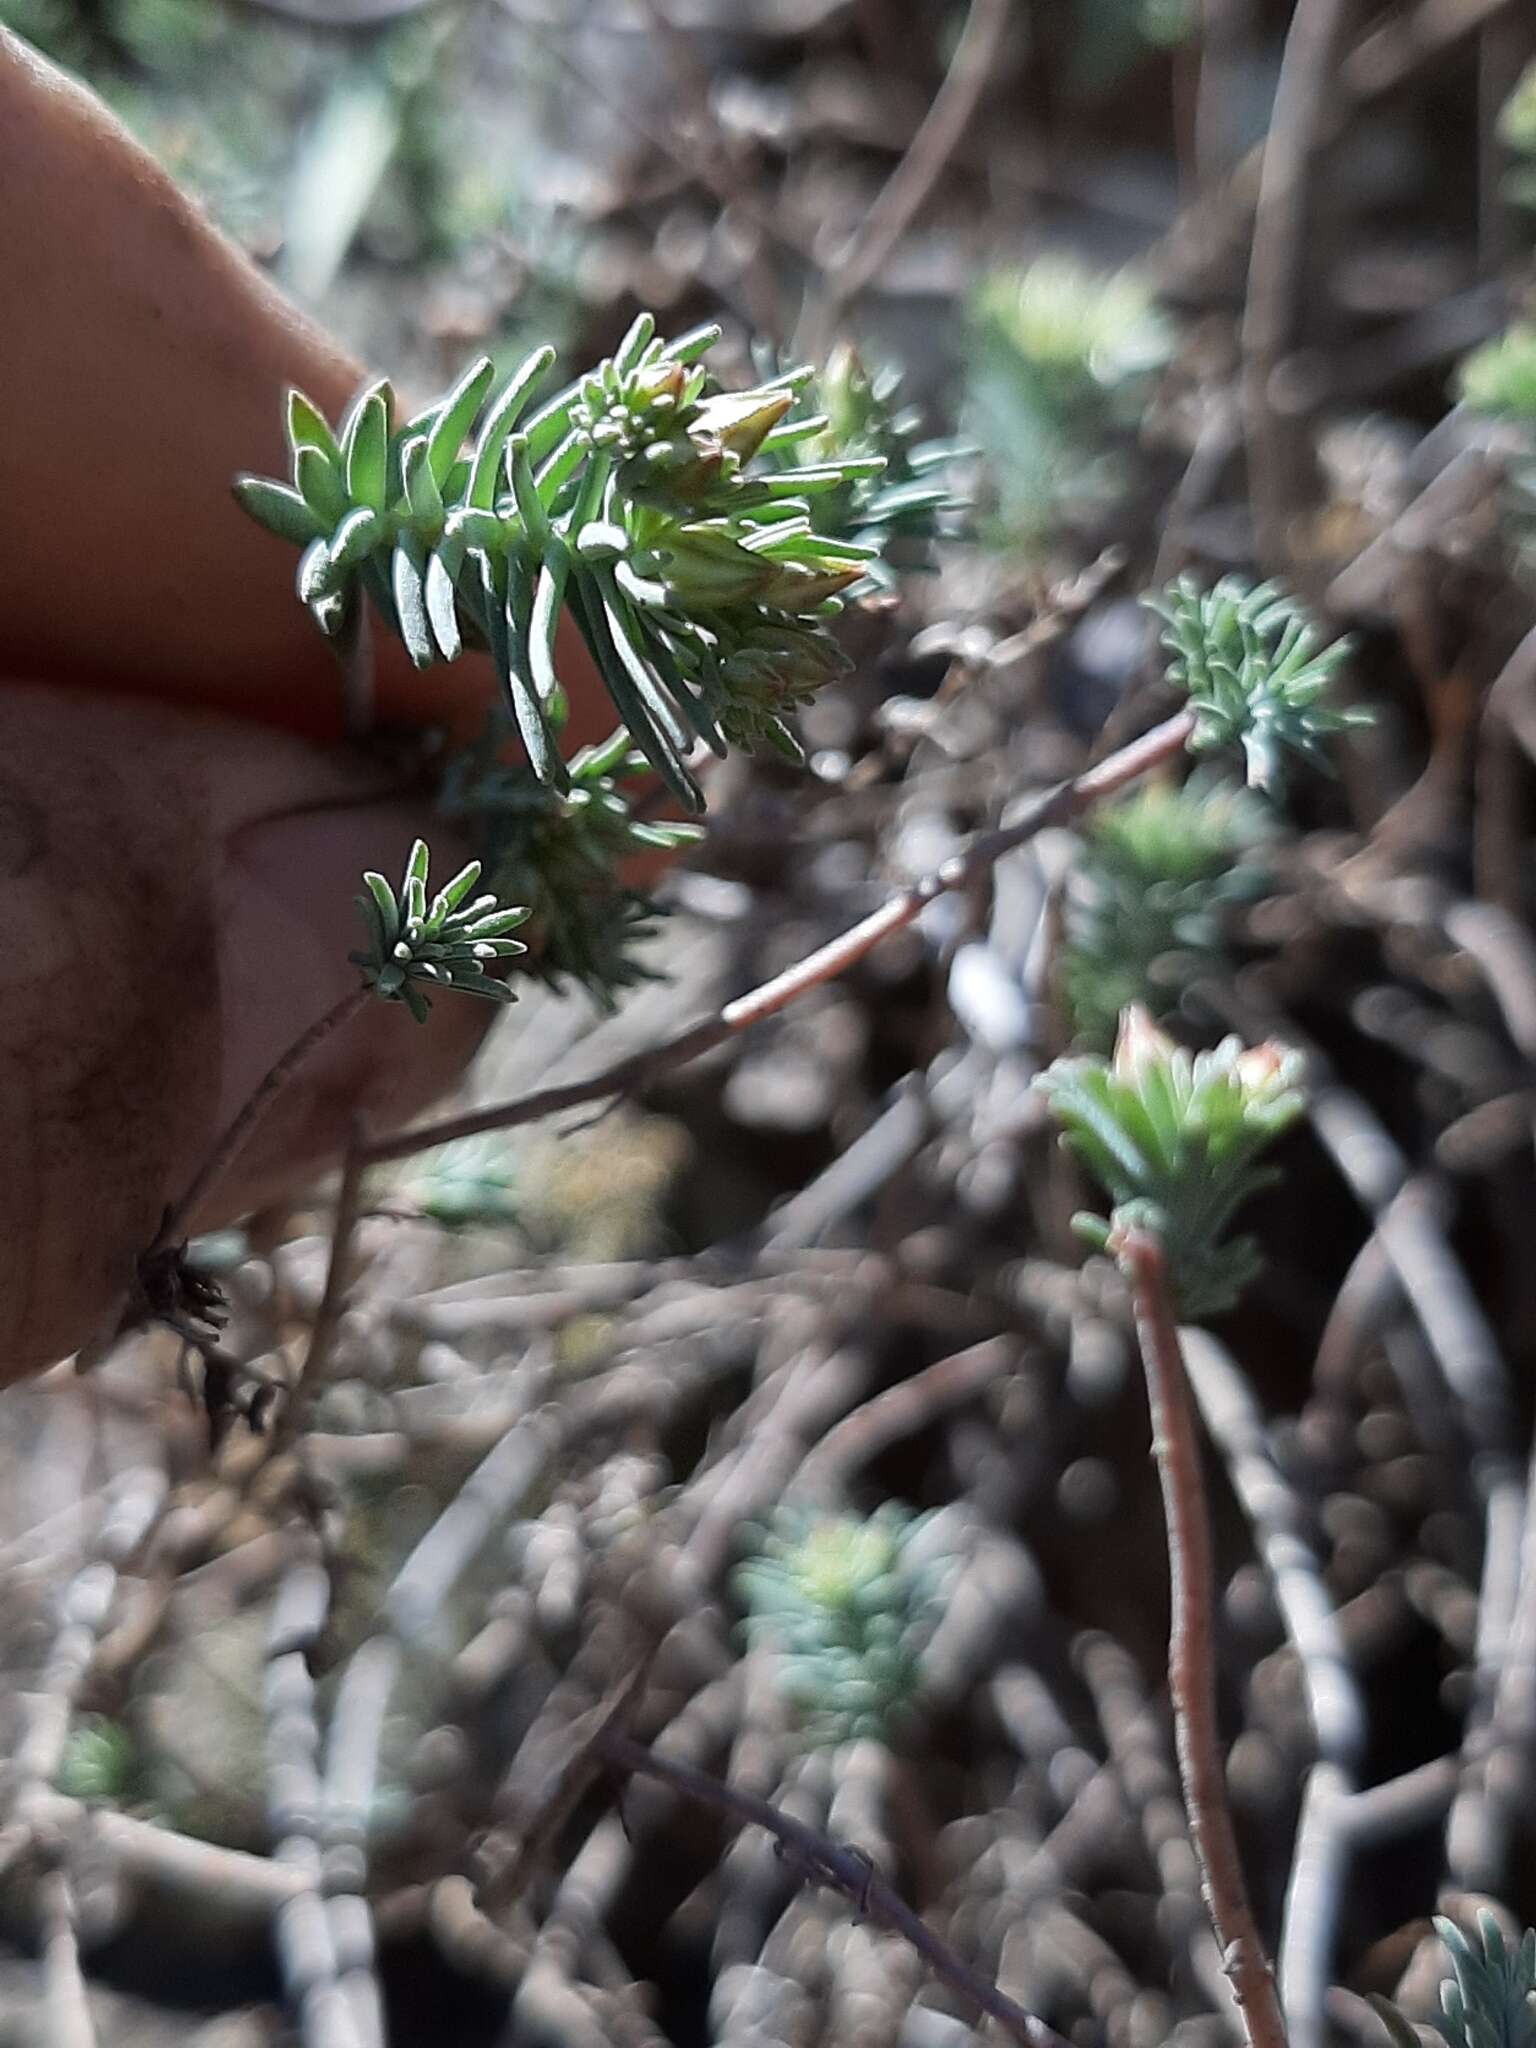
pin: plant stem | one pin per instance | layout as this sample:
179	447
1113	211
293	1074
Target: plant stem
237	1132
323	1330
1191	1643
846	1870
1057	806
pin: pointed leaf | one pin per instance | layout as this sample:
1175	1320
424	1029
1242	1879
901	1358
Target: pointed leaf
279	509
319	486
422	493
499	423
411	605
454	420
308	428
442	609
366	447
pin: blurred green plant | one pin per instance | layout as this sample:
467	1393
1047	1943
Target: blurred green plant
1109	37
562	853
1489	2001
1145	904
1062	364
472	1180
1500	377
699	585
1248	659
850	414
1517	132
846	1604
101	1763
1174	1139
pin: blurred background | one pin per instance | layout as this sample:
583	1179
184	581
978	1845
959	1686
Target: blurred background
782	1376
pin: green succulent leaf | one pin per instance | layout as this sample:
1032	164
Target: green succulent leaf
365	447
280	510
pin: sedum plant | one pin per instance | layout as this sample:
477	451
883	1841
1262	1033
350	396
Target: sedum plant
1145	903
1489	2001
852	415
634	499
419	944
1174	1138
1499	378
1248	659
847	1604
1063	362
560	853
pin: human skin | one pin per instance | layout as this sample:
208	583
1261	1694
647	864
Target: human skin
182	830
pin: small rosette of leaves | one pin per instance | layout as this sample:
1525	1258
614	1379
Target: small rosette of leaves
629	499
419	944
561	853
1146	900
1250	661
847	1604
1500	377
848	416
470	1181
101	1763
1063	361
1174	1139
1489	2001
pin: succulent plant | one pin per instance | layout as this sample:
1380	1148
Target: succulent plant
1174	1138
1489	2001
560	852
1145	901
446	941
1062	364
849	414
846	1603
1500	377
1247	657
630	499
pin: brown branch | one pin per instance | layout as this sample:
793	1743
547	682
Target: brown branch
1298	128
228	1146
1191	1644
322	1334
1056	806
896	205
822	1861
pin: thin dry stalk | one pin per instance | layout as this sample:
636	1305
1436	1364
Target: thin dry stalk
1191	1644
940	134
846	1870
233	1139
1280	253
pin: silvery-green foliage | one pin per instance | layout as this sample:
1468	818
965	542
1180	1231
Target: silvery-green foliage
846	1604
471	1180
1174	1139
560	852
699	582
1145	903
448	940
1249	660
101	1762
1489	2001
849	414
1063	361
